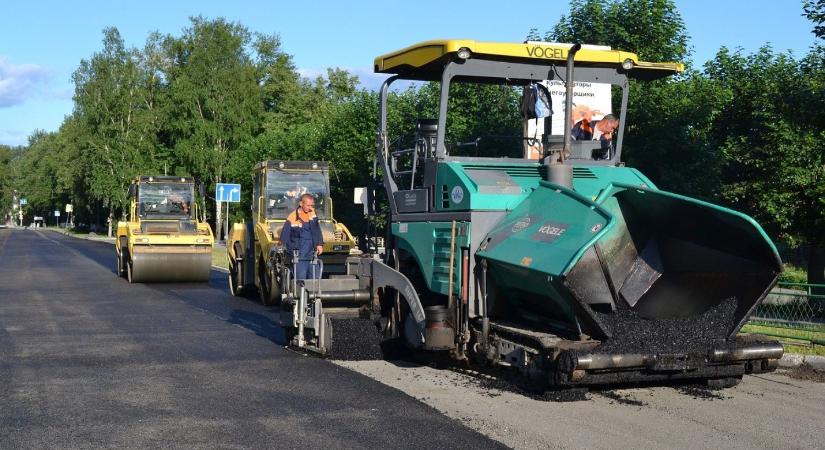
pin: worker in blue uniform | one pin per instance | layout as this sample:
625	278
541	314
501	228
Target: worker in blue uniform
302	233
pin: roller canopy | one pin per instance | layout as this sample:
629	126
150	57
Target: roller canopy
425	60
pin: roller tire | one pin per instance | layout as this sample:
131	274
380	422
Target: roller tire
121	272
236	286
122	258
270	290
129	272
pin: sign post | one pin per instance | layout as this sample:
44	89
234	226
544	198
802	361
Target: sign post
229	193
57	217
69	210
22	202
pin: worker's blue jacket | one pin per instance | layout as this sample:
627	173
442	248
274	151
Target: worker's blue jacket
302	232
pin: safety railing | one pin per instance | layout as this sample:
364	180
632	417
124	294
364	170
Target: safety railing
794	313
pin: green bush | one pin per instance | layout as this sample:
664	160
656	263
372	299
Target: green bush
793	274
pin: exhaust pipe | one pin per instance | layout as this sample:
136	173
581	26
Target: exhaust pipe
568	99
556	171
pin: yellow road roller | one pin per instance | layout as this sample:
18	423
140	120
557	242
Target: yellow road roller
255	255
163	238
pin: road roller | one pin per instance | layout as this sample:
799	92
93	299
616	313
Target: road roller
254	252
335	306
163	238
545	256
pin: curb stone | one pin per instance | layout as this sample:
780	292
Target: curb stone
96	238
790	360
816	362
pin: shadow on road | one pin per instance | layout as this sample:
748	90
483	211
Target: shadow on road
261	325
212	297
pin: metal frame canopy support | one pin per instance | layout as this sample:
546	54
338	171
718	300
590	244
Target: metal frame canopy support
504	62
516	73
492	72
382	146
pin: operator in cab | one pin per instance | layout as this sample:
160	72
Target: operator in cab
597	130
302	233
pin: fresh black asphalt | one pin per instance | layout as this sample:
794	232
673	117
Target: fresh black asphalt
88	360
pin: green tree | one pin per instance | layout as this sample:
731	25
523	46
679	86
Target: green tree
667	120
773	158
39	171
118	119
653	29
215	100
815	12
6	183
282	89
336	123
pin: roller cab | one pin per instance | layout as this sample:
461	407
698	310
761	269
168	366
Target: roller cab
163	239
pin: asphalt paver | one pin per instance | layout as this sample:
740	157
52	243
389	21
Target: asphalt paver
88	360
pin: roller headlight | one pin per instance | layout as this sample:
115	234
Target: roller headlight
464	53
627	64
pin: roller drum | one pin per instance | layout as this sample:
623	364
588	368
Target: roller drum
171	266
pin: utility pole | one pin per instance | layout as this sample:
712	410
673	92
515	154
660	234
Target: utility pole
218	216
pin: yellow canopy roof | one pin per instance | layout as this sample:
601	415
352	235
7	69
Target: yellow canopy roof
422	60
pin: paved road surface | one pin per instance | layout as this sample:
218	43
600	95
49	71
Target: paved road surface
764	411
87	360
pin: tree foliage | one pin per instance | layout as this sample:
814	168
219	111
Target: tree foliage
815	12
6	183
115	121
653	29
772	156
214	101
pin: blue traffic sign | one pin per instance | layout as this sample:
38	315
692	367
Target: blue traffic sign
227	192
23	202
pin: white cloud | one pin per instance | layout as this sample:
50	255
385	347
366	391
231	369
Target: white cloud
20	82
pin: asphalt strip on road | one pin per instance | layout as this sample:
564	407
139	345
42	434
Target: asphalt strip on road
90	361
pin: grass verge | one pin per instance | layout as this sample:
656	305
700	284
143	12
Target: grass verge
795	340
219	256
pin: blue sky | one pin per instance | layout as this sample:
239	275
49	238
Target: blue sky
41	42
